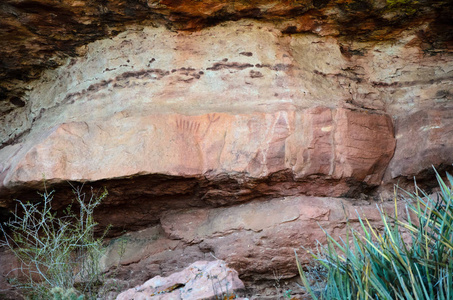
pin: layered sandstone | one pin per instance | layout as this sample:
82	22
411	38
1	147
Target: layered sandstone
257	238
37	35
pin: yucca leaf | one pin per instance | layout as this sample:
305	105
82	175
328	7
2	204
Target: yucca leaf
304	278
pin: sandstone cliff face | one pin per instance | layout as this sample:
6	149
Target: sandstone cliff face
219	133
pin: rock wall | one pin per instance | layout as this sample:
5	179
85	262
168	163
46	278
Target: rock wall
234	140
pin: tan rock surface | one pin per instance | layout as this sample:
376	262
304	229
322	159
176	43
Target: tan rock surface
236	68
41	34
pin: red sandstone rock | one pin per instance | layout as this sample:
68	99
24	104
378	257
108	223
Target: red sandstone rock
342	143
254	238
201	280
9	268
423	140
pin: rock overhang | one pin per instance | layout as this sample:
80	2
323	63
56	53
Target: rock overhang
38	35
296	103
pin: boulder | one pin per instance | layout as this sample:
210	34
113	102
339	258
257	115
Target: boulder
202	280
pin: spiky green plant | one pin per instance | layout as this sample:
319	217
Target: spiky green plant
380	264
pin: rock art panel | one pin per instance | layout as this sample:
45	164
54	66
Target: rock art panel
335	144
224	71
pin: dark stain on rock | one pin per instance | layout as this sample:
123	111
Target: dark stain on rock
99	85
71	98
359	6
276	67
352	77
320	3
348	52
188	72
290	29
250	13
246	53
234	65
263	66
158	74
15	138
256	74
187	80
384	84
72	62
17	101
444	94
282	67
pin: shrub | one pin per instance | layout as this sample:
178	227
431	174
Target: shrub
58	254
60	294
373	264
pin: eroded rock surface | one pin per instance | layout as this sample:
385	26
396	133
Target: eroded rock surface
424	140
256	238
223	100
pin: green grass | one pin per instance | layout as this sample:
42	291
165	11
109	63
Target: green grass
380	264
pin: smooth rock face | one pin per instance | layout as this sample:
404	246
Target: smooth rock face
332	143
423	140
201	280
